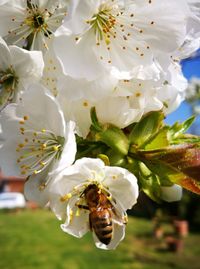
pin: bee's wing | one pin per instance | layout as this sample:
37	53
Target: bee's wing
118	214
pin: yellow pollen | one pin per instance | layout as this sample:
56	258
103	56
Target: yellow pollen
138	94
109	197
55	148
21	145
25	117
21	122
85	104
71	215
43	130
42	187
77	212
66	197
42	164
125	219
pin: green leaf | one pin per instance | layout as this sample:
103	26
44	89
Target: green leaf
186	139
147	127
178	164
159	140
116	158
149	182
104	158
180	128
95	123
115	139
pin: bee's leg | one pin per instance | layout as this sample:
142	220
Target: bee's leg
82	206
90	223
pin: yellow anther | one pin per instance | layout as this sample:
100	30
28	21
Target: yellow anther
138	94
44	146
36	172
42	164
66	197
85	104
25	117
125	219
109	197
21	145
42	187
43	130
23	172
99	191
22	129
75	188
100	186
71	214
77	212
55	148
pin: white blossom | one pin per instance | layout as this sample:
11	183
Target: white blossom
31	23
192	39
120	102
118	34
37	141
18	69
53	72
67	197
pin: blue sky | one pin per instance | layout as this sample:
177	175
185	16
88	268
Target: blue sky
191	68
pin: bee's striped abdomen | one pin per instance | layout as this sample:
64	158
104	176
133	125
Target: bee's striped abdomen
101	223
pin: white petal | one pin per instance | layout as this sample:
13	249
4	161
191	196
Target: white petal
53	120
117	111
9	157
163	23
69	151
84	170
35	190
28	65
122	185
76	63
77	111
77	223
5	57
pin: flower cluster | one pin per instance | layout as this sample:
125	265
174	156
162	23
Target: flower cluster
84	88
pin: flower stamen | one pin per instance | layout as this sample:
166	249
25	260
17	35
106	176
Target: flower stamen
35	154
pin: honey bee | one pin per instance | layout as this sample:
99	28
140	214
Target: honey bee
101	211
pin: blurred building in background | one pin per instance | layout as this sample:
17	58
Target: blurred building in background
11	184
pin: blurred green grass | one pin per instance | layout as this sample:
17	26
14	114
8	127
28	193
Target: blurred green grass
33	239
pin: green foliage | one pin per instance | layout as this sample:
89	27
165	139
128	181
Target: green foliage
146	128
176	130
157	154
111	135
